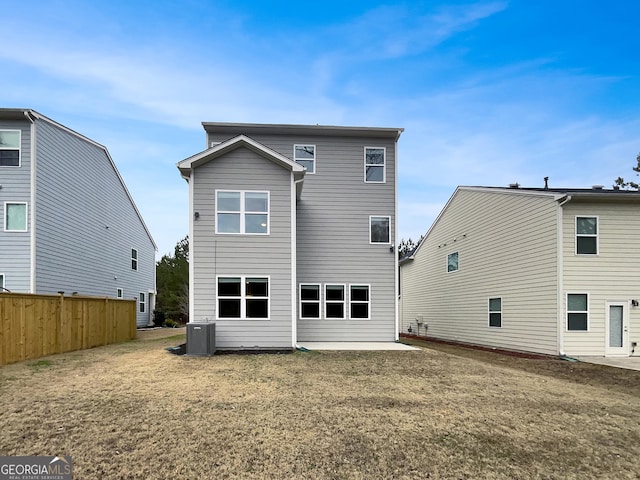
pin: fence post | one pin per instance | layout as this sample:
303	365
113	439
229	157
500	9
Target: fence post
60	321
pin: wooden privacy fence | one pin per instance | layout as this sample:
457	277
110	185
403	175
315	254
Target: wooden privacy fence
33	325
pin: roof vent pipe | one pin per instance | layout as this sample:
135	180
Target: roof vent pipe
514	185
546	183
597	187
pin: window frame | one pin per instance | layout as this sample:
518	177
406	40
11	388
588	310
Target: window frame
142	302
301	301
489	312
2	280
368	302
457	254
587	312
343	302
587	235
382	165
243	297
6	216
19	147
134	259
295	159
243	212
119	293
371	242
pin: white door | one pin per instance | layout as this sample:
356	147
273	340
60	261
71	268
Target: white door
617	330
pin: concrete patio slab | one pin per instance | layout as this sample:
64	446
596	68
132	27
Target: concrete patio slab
630	363
369	346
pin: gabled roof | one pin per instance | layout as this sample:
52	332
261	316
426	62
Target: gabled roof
563	195
188	164
29	115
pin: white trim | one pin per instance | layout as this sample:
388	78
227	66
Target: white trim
388	242
622	351
294	262
26	214
456	252
19	147
368	302
319	301
396	266
315	149
33	181
489	311
119	292
567	311
383	164
243	297
134	259
597	235
560	276
243	212
343	302
192	248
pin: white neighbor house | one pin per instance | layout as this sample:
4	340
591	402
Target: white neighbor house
553	271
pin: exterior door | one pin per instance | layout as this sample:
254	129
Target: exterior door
617	330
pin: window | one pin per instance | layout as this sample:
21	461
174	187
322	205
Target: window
452	262
495	312
379	229
577	312
374	163
119	293
142	302
9	148
15	217
334	299
305	155
242	212
2	289
359	301
310	301
134	259
243	297
587	235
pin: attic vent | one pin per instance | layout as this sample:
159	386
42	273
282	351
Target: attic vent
514	185
597	187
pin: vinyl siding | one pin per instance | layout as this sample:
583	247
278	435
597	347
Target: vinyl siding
507	245
333	231
612	275
86	223
249	255
15	247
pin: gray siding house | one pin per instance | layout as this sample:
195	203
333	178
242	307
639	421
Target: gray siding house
552	271
293	233
69	223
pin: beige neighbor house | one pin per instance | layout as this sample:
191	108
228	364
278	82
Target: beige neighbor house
552	271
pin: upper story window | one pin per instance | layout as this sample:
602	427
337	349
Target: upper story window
9	148
453	262
374	165
134	259
379	229
119	293
15	217
305	155
1	283
242	212
587	235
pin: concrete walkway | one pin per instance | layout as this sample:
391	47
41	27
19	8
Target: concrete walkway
630	363
369	346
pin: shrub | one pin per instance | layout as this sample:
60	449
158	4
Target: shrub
171	323
158	318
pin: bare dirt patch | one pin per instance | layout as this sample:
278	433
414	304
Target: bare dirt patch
135	411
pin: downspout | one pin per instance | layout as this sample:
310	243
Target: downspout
560	268
396	266
32	209
294	259
192	253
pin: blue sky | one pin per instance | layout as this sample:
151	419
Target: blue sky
489	92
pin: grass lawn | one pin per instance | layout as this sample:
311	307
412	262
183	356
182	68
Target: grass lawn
135	411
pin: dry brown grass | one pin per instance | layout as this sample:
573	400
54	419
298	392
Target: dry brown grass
135	411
